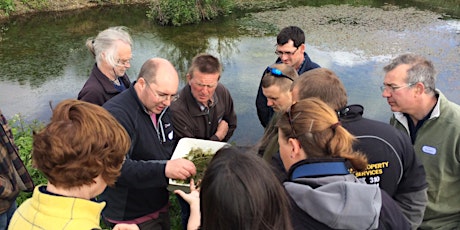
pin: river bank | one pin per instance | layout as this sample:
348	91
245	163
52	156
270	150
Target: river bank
27	8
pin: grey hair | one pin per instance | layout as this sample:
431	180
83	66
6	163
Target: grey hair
105	42
421	70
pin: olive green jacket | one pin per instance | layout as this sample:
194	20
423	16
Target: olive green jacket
438	147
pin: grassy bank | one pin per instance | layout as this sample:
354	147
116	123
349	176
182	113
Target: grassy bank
14	8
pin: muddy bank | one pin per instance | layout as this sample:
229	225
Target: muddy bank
24	9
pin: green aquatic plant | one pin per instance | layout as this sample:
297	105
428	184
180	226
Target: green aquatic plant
201	159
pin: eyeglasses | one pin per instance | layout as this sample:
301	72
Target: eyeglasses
281	53
162	97
276	72
210	86
393	88
123	62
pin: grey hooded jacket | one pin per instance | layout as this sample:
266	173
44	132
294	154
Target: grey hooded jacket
328	194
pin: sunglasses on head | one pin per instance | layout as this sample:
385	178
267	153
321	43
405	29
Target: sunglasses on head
277	73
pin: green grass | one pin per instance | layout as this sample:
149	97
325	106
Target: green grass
22	133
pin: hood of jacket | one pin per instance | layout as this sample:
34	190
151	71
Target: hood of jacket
339	201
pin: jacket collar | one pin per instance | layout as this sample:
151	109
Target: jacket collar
435	113
351	112
194	107
160	129
318	167
106	83
307	64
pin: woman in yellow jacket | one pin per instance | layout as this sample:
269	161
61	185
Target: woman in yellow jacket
80	152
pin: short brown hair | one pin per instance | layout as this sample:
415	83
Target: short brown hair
283	83
81	142
205	63
323	84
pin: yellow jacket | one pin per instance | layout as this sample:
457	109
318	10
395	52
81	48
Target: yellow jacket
45	211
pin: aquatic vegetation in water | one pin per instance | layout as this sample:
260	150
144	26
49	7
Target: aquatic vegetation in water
201	159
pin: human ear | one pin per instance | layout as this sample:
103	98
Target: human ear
188	77
296	149
419	88
302	48
142	81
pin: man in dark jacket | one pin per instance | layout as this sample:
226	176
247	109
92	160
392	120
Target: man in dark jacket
13	174
290	48
204	109
393	164
140	195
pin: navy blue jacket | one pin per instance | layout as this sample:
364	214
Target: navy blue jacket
264	112
393	164
141	187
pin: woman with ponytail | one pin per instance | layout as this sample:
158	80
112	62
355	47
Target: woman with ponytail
316	151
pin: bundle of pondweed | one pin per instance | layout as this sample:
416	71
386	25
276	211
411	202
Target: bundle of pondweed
201	159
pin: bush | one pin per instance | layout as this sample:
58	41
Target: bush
7	6
177	13
23	138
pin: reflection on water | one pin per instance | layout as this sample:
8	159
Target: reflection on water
43	58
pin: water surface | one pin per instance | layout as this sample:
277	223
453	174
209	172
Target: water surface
43	59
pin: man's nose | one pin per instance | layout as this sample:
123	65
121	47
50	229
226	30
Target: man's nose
284	58
204	90
386	93
269	102
166	102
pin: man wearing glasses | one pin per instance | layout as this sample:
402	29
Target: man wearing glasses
204	109
290	49
432	122
140	195
112	50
